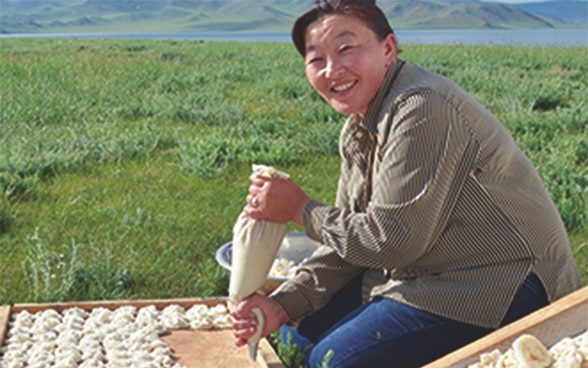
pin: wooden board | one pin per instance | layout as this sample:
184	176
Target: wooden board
193	349
567	317
4	318
216	349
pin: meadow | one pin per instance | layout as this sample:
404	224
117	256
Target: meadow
124	163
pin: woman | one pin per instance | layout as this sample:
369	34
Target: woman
442	230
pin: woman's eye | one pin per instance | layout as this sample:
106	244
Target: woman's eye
344	48
313	60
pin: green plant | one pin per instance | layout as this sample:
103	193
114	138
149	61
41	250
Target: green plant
51	277
289	353
327	359
292	356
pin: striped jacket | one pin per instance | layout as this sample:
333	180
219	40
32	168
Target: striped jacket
436	206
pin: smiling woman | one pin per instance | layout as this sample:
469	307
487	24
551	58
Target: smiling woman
441	226
348	72
120	171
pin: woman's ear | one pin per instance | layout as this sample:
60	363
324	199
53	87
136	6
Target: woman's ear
390	49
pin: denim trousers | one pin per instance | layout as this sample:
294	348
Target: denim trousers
386	333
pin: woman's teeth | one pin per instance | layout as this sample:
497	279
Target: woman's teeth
343	87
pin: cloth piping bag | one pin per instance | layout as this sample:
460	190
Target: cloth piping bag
255	247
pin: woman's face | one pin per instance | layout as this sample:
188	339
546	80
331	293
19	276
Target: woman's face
345	61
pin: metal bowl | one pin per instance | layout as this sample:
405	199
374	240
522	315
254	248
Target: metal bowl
295	247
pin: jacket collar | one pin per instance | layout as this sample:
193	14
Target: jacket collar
370	120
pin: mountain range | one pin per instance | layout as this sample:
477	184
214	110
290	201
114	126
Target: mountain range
74	16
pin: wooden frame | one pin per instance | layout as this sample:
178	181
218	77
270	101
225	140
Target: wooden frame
267	358
566	317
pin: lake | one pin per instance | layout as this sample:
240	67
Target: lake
561	37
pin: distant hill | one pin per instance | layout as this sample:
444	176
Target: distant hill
571	12
79	16
23	16
445	15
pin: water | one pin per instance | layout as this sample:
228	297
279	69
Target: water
561	37
519	37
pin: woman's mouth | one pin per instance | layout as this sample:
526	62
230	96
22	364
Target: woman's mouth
343	87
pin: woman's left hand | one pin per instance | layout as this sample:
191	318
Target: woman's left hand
275	200
245	322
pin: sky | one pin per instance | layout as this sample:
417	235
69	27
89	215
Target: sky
514	1
517	1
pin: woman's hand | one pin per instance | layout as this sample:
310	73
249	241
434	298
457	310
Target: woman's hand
275	200
245	322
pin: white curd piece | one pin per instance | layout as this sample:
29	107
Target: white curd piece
529	352
282	268
100	338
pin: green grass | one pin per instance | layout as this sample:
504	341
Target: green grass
124	163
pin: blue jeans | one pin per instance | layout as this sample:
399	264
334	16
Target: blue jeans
387	333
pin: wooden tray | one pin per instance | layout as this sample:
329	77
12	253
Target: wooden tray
567	317
191	348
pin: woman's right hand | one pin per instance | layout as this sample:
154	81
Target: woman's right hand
245	322
275	200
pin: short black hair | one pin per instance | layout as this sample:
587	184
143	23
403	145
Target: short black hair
365	10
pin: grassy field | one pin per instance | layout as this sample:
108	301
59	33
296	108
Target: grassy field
124	163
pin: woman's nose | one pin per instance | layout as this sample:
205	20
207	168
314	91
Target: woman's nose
333	68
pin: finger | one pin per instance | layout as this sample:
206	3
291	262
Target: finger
242	311
243	324
250	199
253	189
238	313
240	342
252	212
257	180
245	330
244	333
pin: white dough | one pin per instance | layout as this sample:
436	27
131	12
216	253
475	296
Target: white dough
99	338
528	352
